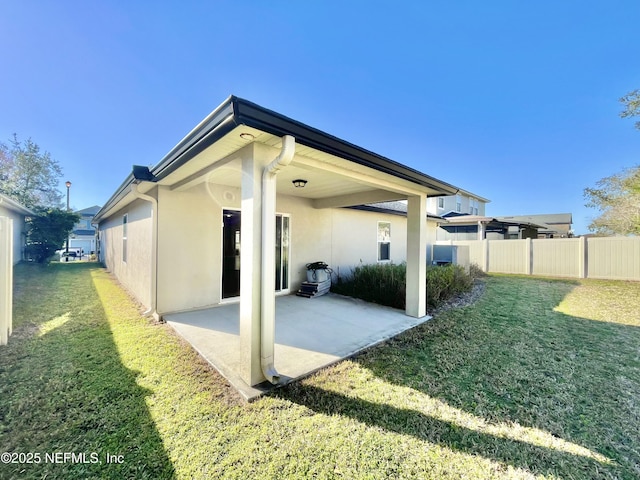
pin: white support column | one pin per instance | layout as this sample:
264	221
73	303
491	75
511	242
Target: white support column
250	268
416	299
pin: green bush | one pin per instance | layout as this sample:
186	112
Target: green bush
444	282
476	272
385	284
380	283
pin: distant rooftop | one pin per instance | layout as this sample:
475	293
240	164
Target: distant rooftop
89	210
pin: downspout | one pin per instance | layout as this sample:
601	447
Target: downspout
267	294
153	289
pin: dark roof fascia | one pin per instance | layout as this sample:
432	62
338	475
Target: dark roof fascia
248	113
369	208
215	126
119	194
236	111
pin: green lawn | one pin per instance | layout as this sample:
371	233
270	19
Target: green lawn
540	378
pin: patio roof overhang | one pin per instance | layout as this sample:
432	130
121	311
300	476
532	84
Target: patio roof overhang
339	173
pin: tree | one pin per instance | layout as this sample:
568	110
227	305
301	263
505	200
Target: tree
631	102
618	198
29	175
48	231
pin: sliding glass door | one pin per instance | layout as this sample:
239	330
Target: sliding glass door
231	235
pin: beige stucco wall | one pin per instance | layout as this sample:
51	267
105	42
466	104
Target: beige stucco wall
18	231
190	242
355	238
189	248
311	234
135	273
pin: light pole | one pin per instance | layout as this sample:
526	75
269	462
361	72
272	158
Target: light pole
68	184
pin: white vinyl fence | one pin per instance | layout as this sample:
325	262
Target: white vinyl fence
614	258
6	279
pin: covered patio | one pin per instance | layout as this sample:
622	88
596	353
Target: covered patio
235	212
310	334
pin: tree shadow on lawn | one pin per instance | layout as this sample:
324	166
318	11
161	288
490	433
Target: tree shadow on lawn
508	451
63	387
511	358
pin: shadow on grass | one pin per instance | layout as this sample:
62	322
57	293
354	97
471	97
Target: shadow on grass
533	458
63	387
512	358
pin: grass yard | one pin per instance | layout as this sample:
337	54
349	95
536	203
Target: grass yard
538	379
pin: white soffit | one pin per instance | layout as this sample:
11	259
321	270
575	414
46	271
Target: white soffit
307	165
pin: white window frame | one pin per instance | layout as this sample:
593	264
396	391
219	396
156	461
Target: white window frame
380	241
125	235
440	203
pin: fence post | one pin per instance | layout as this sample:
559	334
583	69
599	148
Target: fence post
582	258
528	250
485	255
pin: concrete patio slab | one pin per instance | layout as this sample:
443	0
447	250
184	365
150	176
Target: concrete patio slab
310	334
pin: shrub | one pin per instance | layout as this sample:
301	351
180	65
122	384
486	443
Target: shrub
444	282
380	283
475	271
386	284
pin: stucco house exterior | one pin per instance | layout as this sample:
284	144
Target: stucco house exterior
235	211
17	213
463	202
399	208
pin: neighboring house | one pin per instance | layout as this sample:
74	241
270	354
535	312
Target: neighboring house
553	225
238	207
83	235
476	227
17	213
462	202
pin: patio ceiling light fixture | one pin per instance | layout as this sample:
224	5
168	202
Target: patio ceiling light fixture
299	183
247	136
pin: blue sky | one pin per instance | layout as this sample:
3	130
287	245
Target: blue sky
514	101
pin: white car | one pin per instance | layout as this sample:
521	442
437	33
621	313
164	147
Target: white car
74	253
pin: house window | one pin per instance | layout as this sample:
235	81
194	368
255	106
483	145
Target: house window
474	203
441	203
124	238
384	241
458	204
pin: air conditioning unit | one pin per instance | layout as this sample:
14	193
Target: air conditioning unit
446	254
